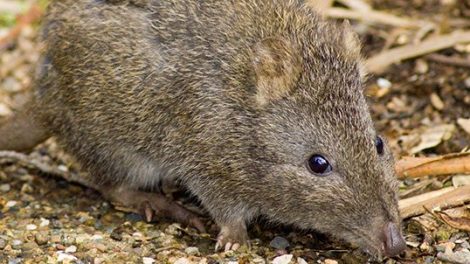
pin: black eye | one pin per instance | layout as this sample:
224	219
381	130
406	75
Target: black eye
319	165
379	144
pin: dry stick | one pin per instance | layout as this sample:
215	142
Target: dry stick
454	61
33	14
374	17
380	62
358	5
411	167
444	199
418	187
45	168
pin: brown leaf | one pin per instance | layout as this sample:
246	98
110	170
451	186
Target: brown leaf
433	136
461	223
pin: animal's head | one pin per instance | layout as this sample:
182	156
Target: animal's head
332	170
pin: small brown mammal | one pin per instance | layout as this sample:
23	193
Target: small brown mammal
255	106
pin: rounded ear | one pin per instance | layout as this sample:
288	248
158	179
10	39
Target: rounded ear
277	67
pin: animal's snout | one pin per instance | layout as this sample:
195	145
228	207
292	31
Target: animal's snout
393	242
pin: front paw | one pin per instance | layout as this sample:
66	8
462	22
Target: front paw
231	236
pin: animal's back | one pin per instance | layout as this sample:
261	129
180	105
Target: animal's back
167	81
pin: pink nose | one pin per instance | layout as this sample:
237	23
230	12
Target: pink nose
394	243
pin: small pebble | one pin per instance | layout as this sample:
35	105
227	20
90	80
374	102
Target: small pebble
56	224
29	246
5	188
15	261
460	257
99	261
100	247
40	239
60	247
31	227
331	261
429	260
192	251
173	229
5	110
467	83
437	102
16	244
116	235
55	239
138	236
443	247
421	66
63	168
148	260
279	243
10	204
134	217
301	261
71	249
96	238
182	261
384	83
258	260
64	257
80	239
44	222
284	259
3	244
11	85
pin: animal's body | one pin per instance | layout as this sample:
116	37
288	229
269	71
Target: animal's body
255	106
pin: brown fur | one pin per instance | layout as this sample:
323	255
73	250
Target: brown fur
230	98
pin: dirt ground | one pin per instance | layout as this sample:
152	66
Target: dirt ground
421	105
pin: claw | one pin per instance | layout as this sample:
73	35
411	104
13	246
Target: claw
228	246
218	245
148	211
231	237
235	246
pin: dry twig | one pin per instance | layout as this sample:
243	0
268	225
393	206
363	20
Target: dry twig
373	17
33	14
45	168
443	199
358	5
381	61
411	167
450	60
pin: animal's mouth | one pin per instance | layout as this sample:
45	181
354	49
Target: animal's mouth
393	242
389	243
